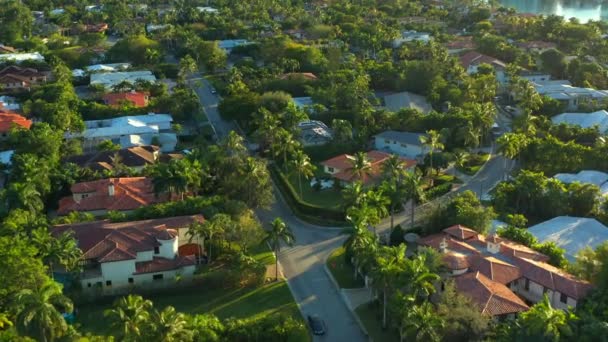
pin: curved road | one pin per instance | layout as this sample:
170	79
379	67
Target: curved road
303	264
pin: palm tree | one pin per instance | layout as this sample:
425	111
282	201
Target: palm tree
301	165
187	65
413	186
392	168
234	144
130	317
421	323
284	144
379	202
170	326
432	141
388	269
360	166
176	177
460	160
25	196
543	322
39	314
62	249
396	193
353	194
359	239
420	281
279	231
210	229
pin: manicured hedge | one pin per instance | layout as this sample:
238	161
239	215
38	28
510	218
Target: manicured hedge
207	206
438	190
302	208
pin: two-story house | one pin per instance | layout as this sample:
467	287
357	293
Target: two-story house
15	78
503	274
112	194
471	61
119	256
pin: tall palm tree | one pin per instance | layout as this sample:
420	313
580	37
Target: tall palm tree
284	144
543	322
301	165
233	144
171	326
39	312
460	160
396	194
279	232
421	323
360	166
130	317
420	281
432	141
62	249
386	271
379	202
353	194
392	168
413	186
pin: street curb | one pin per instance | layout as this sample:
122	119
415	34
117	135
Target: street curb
346	301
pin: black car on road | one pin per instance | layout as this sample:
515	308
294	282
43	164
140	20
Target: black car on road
316	324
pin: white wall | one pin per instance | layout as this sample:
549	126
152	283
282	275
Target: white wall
326	169
406	150
118	272
145	256
168	249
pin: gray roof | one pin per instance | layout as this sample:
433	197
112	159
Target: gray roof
402	137
571	233
396	102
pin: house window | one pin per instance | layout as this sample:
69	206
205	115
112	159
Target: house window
156	250
157	277
527	285
330	169
108	283
563	298
130	280
84	195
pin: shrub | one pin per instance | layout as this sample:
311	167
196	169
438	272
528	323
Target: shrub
397	236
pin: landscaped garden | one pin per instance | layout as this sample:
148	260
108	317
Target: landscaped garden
473	163
371	317
328	197
343	271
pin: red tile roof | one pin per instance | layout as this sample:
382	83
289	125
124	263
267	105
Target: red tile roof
476	58
136	98
105	241
306	75
10	119
493	299
553	278
162	264
461	42
460	232
343	164
129	193
496	269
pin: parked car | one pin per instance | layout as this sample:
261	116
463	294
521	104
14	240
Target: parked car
213	91
316	324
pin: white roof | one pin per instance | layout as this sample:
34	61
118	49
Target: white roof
405	99
9	102
22	56
206	9
5	157
571	233
110	67
110	79
584	120
586	176
563	90
57	11
124	126
156	27
230	44
78	73
302	102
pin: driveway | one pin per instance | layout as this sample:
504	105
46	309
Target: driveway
303	264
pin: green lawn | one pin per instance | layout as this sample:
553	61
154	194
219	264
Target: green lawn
263	254
343	271
371	317
474	163
328	198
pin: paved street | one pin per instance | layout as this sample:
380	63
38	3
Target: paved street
302	264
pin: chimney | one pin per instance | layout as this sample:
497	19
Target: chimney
443	246
111	189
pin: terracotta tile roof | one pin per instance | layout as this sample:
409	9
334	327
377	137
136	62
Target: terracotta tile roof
96	28
105	241
493	299
129	194
553	278
307	75
138	99
460	232
137	156
162	264
7	49
10	119
496	269
343	163
456	261
476	58
461	42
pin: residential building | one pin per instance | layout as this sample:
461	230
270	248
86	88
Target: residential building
412	36
229	44
313	133
157	27
473	59
133	98
406	100
113	194
598	178
109	67
535	77
96	28
129	131
303	102
15	78
10	120
145	254
570	96
485	268
341	167
109	79
405	144
6	157
571	233
460	44
299	75
206	9
19	57
133	157
536	46
597	119
9	102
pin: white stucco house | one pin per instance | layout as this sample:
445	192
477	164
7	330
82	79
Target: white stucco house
598	178
144	254
405	144
412	36
471	61
572	97
21	57
229	44
584	120
129	131
110	79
